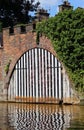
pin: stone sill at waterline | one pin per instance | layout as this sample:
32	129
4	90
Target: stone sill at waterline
66	101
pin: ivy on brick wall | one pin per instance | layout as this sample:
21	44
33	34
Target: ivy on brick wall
66	31
7	67
37	38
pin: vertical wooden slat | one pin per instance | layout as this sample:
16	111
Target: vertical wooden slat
52	76
54	68
61	84
40	73
27	76
19	79
33	74
43	72
49	74
56	77
46	85
59	66
23	69
21	85
36	67
16	81
37	72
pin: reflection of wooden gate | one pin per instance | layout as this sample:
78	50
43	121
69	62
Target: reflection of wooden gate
37	77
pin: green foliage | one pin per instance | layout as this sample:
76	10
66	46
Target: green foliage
66	31
7	67
13	12
37	38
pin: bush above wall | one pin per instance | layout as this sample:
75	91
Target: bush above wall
66	31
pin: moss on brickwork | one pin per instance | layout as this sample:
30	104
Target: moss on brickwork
7	67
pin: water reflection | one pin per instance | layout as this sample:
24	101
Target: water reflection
40	117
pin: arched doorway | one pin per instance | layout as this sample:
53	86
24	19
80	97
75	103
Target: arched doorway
37	77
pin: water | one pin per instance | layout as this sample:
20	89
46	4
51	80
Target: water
41	117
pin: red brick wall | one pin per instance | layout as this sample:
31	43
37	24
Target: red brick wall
1	52
14	46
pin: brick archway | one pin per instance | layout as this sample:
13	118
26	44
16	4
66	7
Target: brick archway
37	77
28	44
14	46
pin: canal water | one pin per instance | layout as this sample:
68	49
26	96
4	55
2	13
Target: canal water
41	117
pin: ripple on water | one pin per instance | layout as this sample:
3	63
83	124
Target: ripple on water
41	117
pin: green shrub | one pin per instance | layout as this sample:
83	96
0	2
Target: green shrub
66	31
